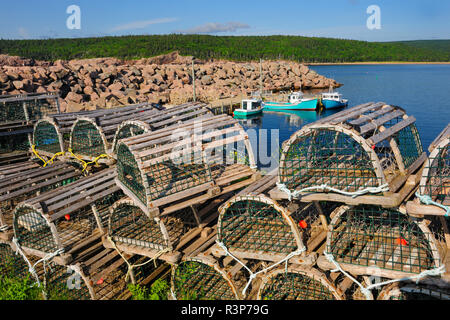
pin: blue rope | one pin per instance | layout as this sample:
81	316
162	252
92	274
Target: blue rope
428	201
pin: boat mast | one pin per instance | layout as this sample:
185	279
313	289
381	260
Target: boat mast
260	78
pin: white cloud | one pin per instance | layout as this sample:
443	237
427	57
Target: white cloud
215	27
142	24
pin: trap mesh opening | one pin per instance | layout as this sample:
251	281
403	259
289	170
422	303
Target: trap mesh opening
62	283
437	183
373	236
325	156
16	142
194	280
294	286
11	264
46	137
87	140
255	224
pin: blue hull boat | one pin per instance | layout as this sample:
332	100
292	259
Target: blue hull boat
332	104
310	105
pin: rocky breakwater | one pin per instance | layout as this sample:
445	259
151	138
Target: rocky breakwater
106	82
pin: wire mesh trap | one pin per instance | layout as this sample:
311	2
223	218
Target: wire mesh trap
434	190
199	279
384	242
92	135
21	182
297	284
410	291
27	107
14	143
371	148
11	265
198	161
173	117
61	219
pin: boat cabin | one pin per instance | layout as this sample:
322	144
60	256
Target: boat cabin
250	104
332	96
295	97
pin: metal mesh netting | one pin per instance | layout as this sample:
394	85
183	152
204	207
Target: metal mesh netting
253	225
295	286
128	130
409	144
14	110
414	292
10	263
17	142
194	280
32	230
87	139
437	185
164	177
46	137
129	225
62	283
327	156
373	236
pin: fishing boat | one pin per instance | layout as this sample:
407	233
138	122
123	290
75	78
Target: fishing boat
249	107
333	100
296	101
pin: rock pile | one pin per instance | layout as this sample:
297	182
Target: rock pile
106	82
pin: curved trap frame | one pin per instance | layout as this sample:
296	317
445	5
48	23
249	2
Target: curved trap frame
92	135
201	279
201	160
168	118
48	138
27	180
410	291
353	152
65	217
435	181
297	284
370	240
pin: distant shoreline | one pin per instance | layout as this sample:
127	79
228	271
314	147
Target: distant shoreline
369	63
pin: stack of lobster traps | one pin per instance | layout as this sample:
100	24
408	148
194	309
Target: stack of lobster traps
18	114
333	223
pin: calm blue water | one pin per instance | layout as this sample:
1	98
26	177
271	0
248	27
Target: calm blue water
422	90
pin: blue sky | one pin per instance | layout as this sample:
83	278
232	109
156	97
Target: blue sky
400	20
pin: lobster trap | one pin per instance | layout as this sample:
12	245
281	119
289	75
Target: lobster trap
11	264
253	226
370	240
297	284
92	135
58	221
434	188
167	237
166	170
27	180
410	291
366	154
201	279
173	117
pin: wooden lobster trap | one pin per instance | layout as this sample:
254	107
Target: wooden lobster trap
253	226
92	135
200	278
167	170
371	240
433	197
366	154
168	237
298	283
412	291
58	222
20	182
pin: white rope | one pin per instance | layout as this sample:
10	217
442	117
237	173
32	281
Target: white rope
3	228
132	266
282	187
174	297
367	290
428	201
252	274
30	267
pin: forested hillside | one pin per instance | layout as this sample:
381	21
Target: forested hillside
238	48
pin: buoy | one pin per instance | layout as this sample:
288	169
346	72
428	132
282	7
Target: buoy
67	217
303	224
401	241
100	281
373	147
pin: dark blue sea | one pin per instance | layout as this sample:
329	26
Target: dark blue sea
422	90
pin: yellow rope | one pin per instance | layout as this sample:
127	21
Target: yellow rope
55	156
86	164
33	148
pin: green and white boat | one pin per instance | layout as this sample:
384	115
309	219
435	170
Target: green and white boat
249	107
